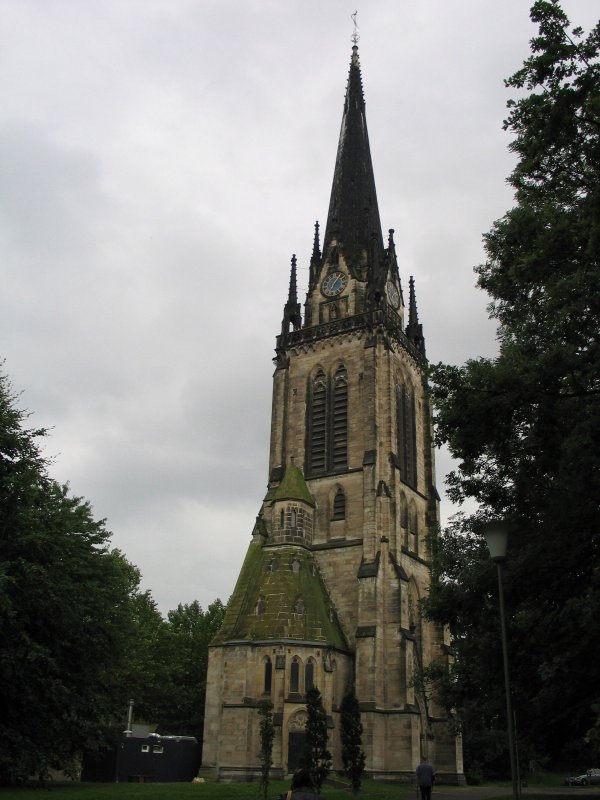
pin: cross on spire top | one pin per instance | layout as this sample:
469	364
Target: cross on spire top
355	37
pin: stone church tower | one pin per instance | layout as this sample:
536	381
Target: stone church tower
329	592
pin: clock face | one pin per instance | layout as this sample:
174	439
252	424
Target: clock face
334	284
393	294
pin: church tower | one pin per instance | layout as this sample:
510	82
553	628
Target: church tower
329	593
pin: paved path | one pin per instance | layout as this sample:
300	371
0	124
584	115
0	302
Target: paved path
487	792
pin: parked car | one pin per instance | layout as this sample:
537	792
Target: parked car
586	778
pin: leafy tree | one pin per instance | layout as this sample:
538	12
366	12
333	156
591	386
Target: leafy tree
353	757
147	675
319	757
64	610
525	426
189	632
267	735
166	669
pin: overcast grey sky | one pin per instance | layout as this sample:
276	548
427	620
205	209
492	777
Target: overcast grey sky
160	161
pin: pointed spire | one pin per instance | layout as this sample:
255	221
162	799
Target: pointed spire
316	253
414	331
353	218
293	293
315	259
393	262
291	310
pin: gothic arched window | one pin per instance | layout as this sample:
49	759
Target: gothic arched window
293	518
268	676
413	528
295	675
309	675
404	518
339	505
407	434
414	613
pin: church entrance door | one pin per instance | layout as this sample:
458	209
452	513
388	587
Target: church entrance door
296	743
297	740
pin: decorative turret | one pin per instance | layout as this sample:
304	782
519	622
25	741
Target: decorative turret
414	330
353	227
291	310
292	509
315	259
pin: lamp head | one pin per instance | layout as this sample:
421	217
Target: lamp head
496	536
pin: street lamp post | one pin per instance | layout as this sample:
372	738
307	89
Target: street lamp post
496	534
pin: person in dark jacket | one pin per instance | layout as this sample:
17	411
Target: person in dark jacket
425	779
302	787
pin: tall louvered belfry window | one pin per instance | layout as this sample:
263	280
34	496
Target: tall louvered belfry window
339	413
407	434
327	423
317	425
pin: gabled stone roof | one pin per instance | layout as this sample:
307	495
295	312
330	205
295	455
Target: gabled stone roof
280	578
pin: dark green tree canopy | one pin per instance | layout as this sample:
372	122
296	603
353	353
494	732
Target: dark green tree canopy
525	426
79	637
64	610
267	737
319	757
353	756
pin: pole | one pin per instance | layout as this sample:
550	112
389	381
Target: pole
509	716
129	732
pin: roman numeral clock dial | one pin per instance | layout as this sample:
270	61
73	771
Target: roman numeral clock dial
393	294
334	284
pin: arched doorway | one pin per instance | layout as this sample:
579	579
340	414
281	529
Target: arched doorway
296	740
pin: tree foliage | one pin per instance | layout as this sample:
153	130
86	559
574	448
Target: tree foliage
189	632
78	636
353	757
165	672
64	610
525	426
267	736
319	757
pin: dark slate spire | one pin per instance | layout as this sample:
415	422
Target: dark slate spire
291	310
414	331
353	217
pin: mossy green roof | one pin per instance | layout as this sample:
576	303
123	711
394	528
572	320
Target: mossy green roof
279	588
269	495
293	487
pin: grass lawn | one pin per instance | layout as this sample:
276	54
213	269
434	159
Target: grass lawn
186	791
371	790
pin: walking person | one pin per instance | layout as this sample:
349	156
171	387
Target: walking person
425	778
302	787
